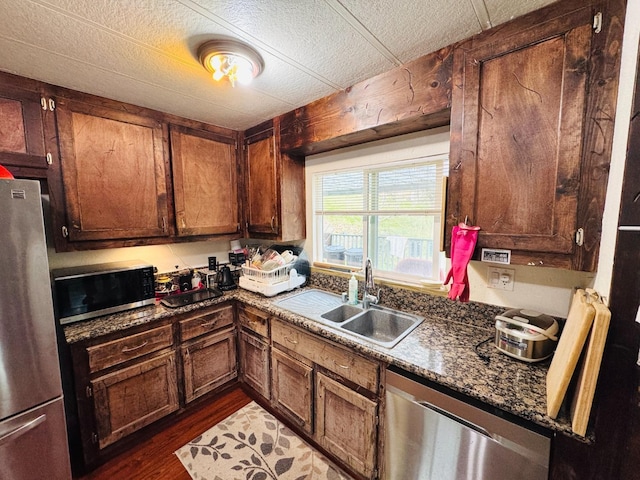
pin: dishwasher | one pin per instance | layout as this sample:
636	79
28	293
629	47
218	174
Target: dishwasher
433	436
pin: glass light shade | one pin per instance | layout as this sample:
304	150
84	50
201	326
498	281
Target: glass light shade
231	59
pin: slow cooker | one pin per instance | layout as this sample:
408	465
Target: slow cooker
527	335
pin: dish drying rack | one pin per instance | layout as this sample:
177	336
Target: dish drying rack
272	282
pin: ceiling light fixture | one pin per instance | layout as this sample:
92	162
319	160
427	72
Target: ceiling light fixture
232	59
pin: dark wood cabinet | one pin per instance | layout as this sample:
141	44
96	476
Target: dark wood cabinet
328	391
255	352
123	384
205	182
346	424
292	388
207	350
22	148
275	206
255	363
208	362
521	132
130	398
114	172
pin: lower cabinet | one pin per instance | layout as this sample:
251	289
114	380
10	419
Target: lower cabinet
346	424
133	397
253	339
124	383
292	387
208	362
255	363
330	392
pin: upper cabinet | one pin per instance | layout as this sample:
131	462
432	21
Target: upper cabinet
22	132
531	134
113	167
205	182
275	206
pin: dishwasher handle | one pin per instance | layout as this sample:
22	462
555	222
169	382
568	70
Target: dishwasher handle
456	418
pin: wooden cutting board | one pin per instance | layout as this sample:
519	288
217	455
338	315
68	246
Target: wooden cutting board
568	351
590	368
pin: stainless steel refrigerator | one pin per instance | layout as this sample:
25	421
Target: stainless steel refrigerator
33	439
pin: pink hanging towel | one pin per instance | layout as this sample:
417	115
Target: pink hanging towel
463	242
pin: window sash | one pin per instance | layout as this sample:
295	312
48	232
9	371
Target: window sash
355	193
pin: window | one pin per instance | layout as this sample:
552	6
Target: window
390	212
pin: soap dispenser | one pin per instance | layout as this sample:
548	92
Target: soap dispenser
353	290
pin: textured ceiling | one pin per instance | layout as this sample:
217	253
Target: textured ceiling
143	51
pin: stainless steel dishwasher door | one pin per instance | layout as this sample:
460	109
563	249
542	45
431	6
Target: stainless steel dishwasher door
431	436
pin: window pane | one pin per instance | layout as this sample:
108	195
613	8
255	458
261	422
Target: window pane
404	243
342	239
389	213
340	192
411	188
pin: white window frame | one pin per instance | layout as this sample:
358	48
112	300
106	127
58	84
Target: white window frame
432	143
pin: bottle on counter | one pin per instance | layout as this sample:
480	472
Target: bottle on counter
353	290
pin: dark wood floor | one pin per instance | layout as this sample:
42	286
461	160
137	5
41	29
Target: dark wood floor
154	459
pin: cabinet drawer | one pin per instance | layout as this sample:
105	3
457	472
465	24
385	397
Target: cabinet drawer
200	323
133	346
255	320
332	357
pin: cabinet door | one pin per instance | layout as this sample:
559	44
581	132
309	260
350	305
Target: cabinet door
292	384
346	424
262	189
21	133
205	183
254	363
113	169
133	397
208	363
517	135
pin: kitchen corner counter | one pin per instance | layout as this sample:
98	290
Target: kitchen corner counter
442	349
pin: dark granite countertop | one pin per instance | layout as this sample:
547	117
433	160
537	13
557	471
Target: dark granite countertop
441	349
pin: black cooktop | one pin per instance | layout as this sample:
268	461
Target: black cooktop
182	299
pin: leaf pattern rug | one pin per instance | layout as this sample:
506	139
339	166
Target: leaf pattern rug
252	444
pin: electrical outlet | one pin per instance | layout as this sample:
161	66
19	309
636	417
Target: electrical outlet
501	278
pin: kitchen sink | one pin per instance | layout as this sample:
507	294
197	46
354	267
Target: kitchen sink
342	313
384	327
379	325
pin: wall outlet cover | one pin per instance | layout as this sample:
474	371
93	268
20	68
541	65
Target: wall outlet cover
501	278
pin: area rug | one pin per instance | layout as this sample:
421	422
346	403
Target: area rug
252	444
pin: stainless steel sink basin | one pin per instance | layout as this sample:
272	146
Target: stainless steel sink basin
342	313
383	327
379	325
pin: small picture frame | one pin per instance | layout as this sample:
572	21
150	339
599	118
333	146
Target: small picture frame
493	255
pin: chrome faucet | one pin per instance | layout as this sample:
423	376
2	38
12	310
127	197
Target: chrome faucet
369	286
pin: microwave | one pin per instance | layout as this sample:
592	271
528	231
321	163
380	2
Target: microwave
89	291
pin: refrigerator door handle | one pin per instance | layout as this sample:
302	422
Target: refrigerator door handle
22	429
